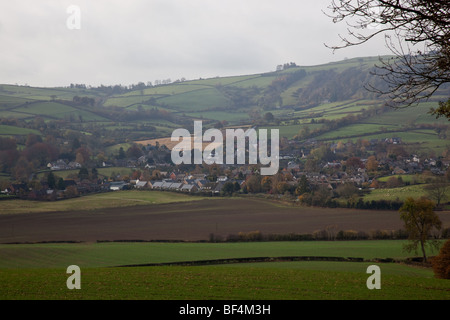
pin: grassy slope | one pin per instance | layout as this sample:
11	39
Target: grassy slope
116	254
190	97
276	280
270	282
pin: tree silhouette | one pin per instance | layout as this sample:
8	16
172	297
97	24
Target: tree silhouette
412	75
419	219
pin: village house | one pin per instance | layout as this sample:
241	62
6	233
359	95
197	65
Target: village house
218	187
209	186
201	183
141	184
166	184
189	188
119	185
157	185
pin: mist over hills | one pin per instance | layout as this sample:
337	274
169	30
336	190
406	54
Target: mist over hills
321	102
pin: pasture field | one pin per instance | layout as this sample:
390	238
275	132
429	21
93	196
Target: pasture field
198	100
49	110
118	199
171	90
46	108
290	131
307	280
125	101
110	254
393	194
220	115
411	178
37	270
11	101
12	130
232	282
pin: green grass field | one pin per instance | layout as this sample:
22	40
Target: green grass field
39	272
96	201
411	178
108	254
400	193
12	130
268	282
220	115
202	99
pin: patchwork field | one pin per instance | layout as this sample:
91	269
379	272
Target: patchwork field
38	270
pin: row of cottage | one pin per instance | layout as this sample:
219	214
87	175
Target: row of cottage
187	185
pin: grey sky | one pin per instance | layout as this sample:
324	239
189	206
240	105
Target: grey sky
125	42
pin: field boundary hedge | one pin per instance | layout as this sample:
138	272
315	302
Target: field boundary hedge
251	260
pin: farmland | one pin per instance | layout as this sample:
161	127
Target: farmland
35	268
268	282
119	199
321	121
233	99
181	218
400	193
304	280
114	254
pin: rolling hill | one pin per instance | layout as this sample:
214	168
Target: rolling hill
306	102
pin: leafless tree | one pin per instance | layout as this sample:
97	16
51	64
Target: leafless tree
438	190
418	34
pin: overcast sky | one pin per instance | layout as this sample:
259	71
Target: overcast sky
125	42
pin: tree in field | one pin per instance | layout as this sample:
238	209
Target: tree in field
419	219
438	190
418	34
441	263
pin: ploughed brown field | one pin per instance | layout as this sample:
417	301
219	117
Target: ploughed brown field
191	221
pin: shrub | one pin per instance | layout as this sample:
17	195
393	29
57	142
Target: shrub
250	236
347	235
446	233
441	263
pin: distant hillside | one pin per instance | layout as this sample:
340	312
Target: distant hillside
326	102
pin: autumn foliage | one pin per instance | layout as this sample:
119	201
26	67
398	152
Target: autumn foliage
441	263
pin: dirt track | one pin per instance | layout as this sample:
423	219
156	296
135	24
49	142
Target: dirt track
190	221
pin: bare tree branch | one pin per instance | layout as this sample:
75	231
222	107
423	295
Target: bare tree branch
412	75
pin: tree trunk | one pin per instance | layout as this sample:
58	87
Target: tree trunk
423	251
